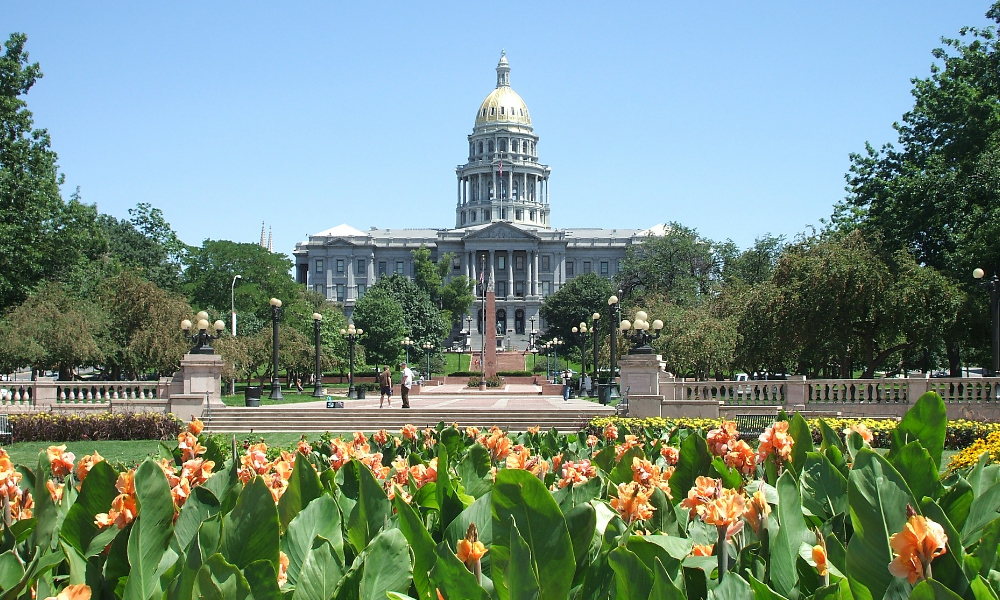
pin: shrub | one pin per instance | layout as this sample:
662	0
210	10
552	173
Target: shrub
465	374
491	382
103	426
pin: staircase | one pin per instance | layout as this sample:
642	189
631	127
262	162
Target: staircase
288	419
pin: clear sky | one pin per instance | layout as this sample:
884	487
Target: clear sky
736	118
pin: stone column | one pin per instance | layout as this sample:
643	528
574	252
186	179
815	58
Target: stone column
529	283
459	190
534	282
349	293
492	275
490	338
329	283
510	273
201	381
371	269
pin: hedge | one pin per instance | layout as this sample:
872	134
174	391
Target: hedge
103	426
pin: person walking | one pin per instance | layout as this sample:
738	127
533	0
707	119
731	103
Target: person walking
566	383
406	381
385	386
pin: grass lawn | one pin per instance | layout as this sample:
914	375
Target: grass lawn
288	398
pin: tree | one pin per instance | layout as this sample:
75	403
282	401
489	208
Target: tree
211	268
756	264
381	318
695	341
145	243
143	326
52	329
680	265
40	235
576	301
453	295
422	320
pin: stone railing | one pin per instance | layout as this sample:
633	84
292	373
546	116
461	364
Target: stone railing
47	394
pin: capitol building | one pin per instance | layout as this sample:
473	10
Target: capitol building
502	230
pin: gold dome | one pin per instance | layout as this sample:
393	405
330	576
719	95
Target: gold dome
503	106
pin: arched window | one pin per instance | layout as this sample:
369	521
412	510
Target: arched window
519	321
517	188
480	147
503	145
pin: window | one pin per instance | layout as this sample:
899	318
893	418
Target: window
546	265
586	267
480	143
501	262
399	267
493	111
491	145
340	266
456	264
501	110
570	268
318	288
503	144
515	146
519	290
361	266
319	265
518	214
519	321
340	292
303	272
604	267
463	218
531	216
546	288
501	289
472	216
381	268
362	288
519	263
486	214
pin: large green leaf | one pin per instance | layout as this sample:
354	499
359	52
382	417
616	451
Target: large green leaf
981	590
321	572
11	570
926	422
823	487
622	472
762	592
663	585
915	464
932	590
878	497
520	498
250	531
449	505
450	576
320	518
474	469
151	532
800	432
303	488
199	506
633	580
983	510
956	502
581	522
694	460
522	583
387	567
371	510
420	540
733	587
730	477
219	580
791	533
263	580
986	551
96	494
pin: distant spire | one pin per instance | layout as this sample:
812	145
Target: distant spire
270	239
262	234
503	71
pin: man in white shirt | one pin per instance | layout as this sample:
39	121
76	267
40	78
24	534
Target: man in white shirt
405	383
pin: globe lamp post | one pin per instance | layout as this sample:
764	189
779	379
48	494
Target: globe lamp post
637	331
407	343
427	346
593	328
993	286
202	338
616	313
275	382
352	334
318	388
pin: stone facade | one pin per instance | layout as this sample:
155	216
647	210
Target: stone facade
502	227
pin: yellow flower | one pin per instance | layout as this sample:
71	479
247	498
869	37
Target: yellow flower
819	557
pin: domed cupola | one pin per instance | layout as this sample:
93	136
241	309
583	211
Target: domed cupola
503	180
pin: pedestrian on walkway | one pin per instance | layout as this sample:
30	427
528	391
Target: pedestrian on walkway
566	377
385	386
406	381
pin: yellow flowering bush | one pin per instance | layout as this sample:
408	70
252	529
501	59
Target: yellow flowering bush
969	456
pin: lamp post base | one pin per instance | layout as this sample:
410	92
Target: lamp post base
317	391
350	391
275	390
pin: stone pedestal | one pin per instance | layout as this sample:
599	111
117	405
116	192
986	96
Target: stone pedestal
640	374
197	387
490	351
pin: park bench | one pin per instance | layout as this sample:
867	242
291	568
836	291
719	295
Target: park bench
752	426
6	433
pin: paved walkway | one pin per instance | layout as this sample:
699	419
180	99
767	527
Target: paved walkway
518	397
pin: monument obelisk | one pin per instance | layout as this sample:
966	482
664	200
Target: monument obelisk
490	325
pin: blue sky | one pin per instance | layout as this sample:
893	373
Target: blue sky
733	118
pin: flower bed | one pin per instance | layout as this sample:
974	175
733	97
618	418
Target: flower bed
102	426
451	513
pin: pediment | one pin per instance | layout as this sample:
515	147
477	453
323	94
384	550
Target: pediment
339	241
501	231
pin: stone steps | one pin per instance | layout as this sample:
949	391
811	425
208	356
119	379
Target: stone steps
348	420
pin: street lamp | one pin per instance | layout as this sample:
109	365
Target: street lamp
318	388
534	355
202	338
407	343
582	337
556	342
638	333
616	315
352	334
593	328
275	383
468	340
532	333
993	285
427	346
232	302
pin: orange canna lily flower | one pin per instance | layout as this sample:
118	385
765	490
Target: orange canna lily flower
702	549
86	464
862	430
60	461
720	439
534	429
282	568
702	493
819	557
611	432
180	492
197	471
469	552
167	466
440	596
775	440
472	432
919	543
126	482
632	502
55	490
592	440
725	511
631	441
190	448
381	437
340	453
123	511
196	426
79	591
575	473
409	432
670	454
740	456
757	511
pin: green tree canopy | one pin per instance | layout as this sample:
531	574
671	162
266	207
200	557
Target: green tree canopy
381	318
422	320
452	294
681	265
576	301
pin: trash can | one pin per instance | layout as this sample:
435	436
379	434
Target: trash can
252	395
360	391
603	391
